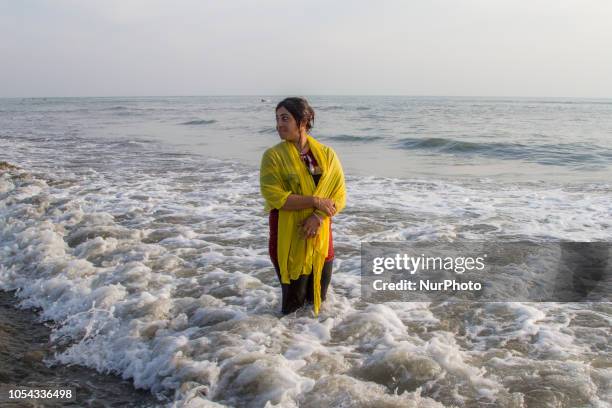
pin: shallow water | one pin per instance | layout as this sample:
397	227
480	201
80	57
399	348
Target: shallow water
149	250
24	350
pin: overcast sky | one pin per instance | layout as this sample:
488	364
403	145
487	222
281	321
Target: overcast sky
306	47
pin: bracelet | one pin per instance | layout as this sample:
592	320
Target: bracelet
318	217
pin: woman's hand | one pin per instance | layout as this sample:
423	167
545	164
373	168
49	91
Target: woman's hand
311	226
326	205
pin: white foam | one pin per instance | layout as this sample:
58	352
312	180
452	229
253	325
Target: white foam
176	291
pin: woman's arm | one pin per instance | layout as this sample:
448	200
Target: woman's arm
300	202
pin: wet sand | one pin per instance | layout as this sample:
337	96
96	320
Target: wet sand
24	348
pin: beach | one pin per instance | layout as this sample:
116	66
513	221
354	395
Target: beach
25	346
133	245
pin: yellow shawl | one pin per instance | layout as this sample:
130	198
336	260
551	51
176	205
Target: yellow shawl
283	173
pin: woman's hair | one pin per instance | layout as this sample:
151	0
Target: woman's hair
300	110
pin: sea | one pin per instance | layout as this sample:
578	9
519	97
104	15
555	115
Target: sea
134	261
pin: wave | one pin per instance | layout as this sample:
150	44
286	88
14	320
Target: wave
199	122
158	276
121	110
4	165
339	107
563	154
330	108
353	138
267	131
576	102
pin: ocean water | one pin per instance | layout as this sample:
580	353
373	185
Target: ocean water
135	229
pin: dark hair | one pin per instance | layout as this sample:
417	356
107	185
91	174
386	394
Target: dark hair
300	110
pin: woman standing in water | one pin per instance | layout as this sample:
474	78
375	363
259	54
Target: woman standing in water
302	183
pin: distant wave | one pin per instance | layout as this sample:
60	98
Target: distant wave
339	107
132	144
534	102
353	138
568	154
267	131
330	108
121	110
116	108
199	122
578	102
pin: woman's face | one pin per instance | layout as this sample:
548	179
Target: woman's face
286	126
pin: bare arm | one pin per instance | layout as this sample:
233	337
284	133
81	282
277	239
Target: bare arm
298	202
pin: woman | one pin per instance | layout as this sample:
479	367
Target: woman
302	183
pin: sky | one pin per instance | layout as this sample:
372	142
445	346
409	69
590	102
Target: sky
555	48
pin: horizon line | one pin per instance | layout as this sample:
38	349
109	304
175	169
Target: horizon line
309	95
